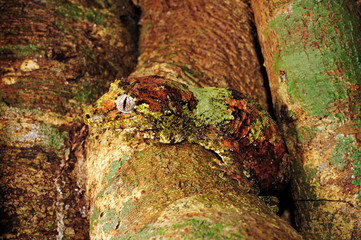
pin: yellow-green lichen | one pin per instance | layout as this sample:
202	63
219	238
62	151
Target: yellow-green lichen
258	126
212	106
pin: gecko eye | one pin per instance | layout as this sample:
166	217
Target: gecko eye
125	103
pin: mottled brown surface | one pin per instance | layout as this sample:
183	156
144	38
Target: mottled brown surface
54	57
201	43
144	190
251	138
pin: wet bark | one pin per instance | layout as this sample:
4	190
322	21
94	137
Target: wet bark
312	56
52	57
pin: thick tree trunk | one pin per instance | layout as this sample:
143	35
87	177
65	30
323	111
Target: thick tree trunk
143	189
52	56
312	56
201	43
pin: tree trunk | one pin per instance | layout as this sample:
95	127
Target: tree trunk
140	188
52	56
201	43
144	190
312	56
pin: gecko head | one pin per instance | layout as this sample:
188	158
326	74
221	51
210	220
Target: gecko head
144	103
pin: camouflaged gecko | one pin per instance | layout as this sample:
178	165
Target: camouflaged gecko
225	121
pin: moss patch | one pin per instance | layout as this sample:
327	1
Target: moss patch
195	229
52	137
344	153
258	127
114	167
94	218
318	53
212	106
22	51
74	13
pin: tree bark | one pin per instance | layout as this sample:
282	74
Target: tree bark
312	55
203	43
52	57
142	189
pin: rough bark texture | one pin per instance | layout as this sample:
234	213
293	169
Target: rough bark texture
226	122
201	43
52	56
312	56
145	190
142	189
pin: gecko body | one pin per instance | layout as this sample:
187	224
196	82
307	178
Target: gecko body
227	122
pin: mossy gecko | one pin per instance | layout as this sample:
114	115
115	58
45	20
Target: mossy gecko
225	121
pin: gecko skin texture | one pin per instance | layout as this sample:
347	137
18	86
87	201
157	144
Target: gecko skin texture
227	122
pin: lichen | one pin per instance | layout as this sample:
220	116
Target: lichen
196	229
212	106
94	218
344	153
258	127
74	12
111	220
127	208
52	137
314	66
23	51
114	167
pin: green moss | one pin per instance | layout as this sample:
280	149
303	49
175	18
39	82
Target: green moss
258	126
87	92
188	71
341	117
74	13
358	122
4	138
23	51
52	137
356	164
328	226
346	152
317	44
343	149
203	229
110	220
196	229
212	106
